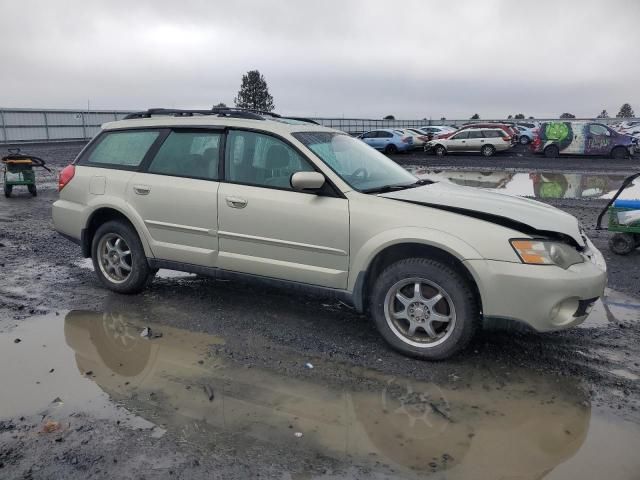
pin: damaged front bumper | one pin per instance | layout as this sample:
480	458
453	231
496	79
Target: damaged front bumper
544	297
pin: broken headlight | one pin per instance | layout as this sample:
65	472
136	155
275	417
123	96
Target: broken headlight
546	252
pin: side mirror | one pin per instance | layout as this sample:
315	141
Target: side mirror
307	181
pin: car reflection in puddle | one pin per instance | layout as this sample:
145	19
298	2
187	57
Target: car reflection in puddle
543	185
525	428
514	425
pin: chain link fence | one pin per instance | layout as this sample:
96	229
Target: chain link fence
33	125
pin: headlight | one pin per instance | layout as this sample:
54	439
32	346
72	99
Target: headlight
543	252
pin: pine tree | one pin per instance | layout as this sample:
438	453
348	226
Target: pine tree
625	111
254	93
389	117
603	114
519	116
220	105
475	117
567	115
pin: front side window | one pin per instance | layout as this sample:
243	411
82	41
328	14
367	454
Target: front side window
460	136
124	148
188	154
262	160
359	165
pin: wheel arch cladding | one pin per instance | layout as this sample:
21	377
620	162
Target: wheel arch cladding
400	251
100	216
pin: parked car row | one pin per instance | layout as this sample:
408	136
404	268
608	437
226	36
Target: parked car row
487	138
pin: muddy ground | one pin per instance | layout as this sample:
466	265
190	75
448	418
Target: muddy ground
243	382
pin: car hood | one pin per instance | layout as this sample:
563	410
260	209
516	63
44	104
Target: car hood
527	216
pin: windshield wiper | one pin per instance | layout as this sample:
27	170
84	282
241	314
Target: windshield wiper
395	188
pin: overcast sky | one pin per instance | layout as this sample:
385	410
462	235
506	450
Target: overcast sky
412	59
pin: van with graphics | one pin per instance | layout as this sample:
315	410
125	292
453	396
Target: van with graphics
582	138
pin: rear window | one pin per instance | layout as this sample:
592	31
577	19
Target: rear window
126	149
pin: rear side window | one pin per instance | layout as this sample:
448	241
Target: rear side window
476	134
189	154
125	149
491	133
382	134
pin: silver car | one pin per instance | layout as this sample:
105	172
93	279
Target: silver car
234	194
486	141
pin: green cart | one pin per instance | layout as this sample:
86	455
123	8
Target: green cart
624	220
19	170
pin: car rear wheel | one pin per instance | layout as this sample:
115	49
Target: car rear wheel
119	259
524	140
552	151
424	308
440	151
391	149
619	153
488	150
622	243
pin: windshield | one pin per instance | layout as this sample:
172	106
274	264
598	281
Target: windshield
358	164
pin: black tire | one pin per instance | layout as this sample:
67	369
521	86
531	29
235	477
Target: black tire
619	153
7	190
140	275
488	150
552	151
524	140
622	243
391	149
467	312
439	150
32	190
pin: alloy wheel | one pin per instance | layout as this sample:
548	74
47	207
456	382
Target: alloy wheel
114	258
419	312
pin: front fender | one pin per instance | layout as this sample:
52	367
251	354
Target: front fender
427	236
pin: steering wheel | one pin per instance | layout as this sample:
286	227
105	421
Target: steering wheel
360	173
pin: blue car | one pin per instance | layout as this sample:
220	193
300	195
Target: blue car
389	140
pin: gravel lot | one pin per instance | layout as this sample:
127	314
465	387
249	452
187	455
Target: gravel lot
241	382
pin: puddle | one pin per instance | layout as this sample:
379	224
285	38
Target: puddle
475	427
614	307
535	184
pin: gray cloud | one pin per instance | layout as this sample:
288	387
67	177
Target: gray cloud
352	58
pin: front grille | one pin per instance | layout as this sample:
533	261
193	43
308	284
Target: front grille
584	306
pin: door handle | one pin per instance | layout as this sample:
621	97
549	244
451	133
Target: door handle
141	189
236	202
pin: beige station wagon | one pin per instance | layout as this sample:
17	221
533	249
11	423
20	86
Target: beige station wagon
239	194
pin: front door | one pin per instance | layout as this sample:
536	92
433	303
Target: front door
266	228
458	142
176	197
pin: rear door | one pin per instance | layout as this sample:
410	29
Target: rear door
475	141
176	196
266	228
370	138
598	141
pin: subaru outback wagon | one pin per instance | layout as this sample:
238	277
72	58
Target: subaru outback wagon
232	194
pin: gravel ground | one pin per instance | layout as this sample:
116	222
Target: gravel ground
256	344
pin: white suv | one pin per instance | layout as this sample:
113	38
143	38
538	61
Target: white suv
232	193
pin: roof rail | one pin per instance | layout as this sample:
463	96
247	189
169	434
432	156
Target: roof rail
247	113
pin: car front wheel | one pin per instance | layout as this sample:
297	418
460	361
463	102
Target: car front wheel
119	259
424	308
440	151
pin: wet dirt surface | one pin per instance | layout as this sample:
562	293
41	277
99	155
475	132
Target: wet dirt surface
225	388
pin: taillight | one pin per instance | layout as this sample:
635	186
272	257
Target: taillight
66	174
407	140
422	138
506	139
